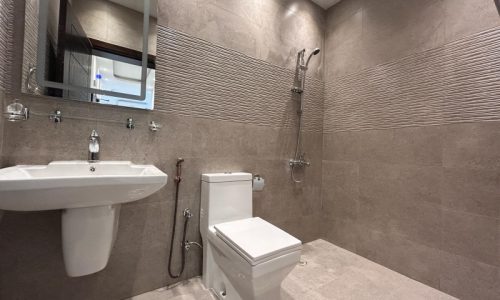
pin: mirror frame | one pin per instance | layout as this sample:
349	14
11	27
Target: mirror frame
43	13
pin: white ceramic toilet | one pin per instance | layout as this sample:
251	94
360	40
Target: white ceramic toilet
243	257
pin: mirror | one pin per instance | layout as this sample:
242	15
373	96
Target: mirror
101	51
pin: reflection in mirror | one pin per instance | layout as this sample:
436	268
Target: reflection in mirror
92	50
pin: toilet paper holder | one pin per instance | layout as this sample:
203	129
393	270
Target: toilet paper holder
258	183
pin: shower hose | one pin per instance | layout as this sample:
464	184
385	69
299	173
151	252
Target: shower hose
177	179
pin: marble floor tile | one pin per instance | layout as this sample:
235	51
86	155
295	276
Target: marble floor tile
327	272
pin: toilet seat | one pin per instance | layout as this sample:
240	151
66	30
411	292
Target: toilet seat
256	240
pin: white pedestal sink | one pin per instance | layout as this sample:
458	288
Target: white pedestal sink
90	195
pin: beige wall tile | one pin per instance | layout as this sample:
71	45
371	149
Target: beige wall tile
395	252
341	146
466	278
470	190
474	145
340	190
269	30
463	18
471	236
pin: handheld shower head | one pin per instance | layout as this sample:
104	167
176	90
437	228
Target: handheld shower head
314	52
300	70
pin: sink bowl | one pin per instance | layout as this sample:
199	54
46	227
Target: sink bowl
90	195
75	184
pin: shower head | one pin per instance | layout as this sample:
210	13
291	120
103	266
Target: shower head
314	52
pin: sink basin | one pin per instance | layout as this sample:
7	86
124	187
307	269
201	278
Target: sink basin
75	184
90	195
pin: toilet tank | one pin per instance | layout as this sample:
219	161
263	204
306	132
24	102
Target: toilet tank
225	197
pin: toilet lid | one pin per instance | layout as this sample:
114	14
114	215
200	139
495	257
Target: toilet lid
256	239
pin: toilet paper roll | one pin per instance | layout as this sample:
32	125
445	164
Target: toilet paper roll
258	183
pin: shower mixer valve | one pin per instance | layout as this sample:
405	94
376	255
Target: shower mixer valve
299	162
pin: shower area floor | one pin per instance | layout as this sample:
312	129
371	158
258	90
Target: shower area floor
330	273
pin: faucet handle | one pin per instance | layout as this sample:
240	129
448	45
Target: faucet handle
94	133
94	136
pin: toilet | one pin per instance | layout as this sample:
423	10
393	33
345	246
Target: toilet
244	257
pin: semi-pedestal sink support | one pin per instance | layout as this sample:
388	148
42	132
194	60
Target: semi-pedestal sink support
88	235
90	195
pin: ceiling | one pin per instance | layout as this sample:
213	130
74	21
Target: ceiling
326	3
138	5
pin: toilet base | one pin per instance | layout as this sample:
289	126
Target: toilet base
230	277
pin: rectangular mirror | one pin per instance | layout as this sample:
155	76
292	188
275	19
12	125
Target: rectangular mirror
100	51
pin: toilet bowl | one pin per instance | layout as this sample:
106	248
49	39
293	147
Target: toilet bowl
245	257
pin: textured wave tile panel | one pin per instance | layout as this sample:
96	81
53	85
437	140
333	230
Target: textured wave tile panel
458	82
199	79
6	26
30	38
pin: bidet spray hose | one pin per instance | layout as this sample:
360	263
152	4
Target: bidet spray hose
178	179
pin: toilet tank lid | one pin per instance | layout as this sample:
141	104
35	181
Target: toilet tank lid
226	177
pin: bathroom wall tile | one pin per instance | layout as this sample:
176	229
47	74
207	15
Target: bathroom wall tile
347	31
396	29
341	12
280	143
288	27
439	91
395	252
426	189
342	232
420	184
302	227
498	240
343	44
348	58
395	198
340	190
471	190
30	236
468	279
377	146
6	15
341	146
474	145
463	18
470	235
231	25
269	30
246	90
379	181
272	203
412	220
417	146
2	95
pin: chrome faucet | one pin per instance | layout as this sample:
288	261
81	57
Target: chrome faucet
301	161
94	145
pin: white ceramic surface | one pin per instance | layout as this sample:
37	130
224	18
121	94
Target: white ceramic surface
72	184
90	195
227	197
